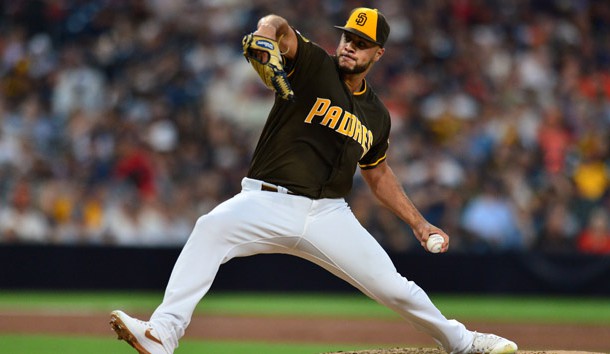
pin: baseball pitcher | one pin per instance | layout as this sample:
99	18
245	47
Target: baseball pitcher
326	122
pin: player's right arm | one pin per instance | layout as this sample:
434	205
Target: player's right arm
389	191
277	28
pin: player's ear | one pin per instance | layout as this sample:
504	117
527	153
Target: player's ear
379	53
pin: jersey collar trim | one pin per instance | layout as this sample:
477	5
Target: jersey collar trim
363	89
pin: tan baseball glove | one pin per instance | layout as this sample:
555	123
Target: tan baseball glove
264	55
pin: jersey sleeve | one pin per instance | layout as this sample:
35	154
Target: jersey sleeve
378	152
309	56
375	156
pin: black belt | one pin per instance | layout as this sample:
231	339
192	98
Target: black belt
271	188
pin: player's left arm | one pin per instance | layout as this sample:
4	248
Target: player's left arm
387	189
267	49
277	28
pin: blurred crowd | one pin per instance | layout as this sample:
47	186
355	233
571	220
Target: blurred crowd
121	122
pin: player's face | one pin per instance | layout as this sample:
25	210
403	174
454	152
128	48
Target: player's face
355	54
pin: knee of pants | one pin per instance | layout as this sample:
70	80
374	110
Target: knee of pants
397	291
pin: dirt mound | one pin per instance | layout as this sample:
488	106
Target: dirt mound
438	351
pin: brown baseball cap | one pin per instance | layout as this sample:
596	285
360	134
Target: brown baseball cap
369	24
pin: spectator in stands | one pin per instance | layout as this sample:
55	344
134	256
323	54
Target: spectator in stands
591	173
134	164
491	217
558	231
21	221
595	238
78	86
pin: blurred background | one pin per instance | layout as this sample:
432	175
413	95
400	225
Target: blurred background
121	122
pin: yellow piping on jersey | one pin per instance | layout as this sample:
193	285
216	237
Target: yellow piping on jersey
361	91
374	163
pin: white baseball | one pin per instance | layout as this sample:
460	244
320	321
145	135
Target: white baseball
435	243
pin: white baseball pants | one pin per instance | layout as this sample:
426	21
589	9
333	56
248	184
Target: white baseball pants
323	231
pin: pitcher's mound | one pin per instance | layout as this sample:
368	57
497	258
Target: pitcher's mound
438	351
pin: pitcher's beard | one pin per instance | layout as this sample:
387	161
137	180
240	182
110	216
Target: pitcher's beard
357	69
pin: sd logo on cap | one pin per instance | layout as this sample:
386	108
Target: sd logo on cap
369	24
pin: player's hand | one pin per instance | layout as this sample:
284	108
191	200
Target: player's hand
424	230
264	55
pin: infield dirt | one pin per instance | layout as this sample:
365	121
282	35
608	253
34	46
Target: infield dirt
532	338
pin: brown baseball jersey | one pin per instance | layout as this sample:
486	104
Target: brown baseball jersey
313	145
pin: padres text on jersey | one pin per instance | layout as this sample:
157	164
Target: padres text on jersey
342	122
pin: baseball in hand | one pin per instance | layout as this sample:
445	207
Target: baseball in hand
435	243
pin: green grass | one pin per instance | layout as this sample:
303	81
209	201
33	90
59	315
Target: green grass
352	305
574	310
39	344
78	301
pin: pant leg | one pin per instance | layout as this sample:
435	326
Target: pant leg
252	222
335	240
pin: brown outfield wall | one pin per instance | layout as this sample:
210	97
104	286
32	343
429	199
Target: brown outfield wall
531	338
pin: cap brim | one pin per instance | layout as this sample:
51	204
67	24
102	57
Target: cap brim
358	33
